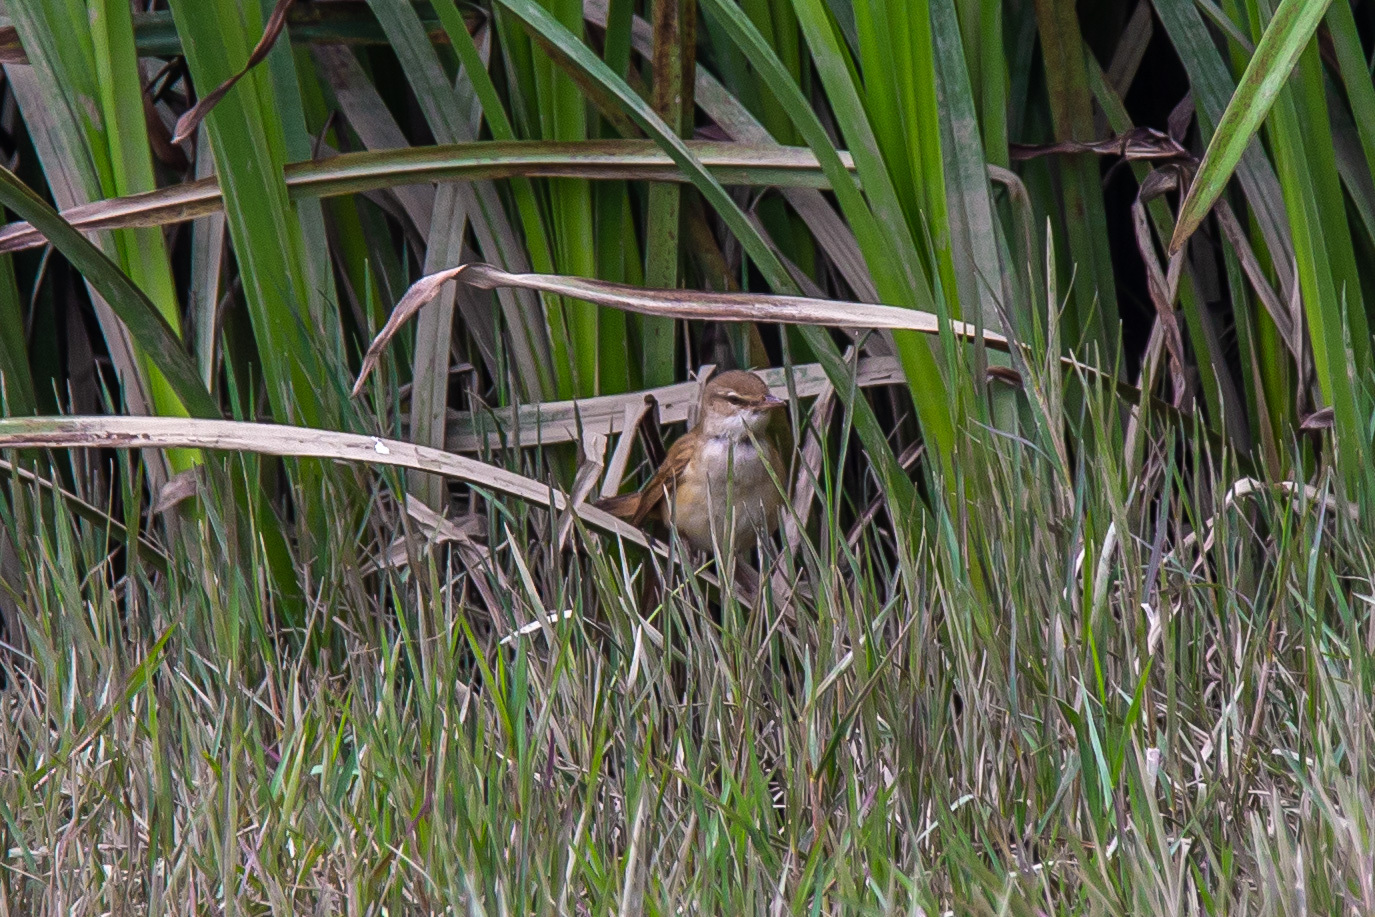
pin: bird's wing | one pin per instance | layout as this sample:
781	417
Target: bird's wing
622	506
665	480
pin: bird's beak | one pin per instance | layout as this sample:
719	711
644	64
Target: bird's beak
771	402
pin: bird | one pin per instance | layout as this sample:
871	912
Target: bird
719	484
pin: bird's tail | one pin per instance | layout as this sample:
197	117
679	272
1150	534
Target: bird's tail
623	506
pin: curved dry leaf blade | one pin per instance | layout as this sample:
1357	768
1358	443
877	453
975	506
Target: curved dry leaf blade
173	204
187	123
376	170
1137	144
293	442
691	304
730	307
684	304
1004	374
421	292
1321	419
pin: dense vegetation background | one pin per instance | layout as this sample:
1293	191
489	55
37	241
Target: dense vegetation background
1073	610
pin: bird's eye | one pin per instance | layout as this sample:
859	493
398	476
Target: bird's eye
734	398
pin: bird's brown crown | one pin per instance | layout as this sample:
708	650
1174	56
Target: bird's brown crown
737	388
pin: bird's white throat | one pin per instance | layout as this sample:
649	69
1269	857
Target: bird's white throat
734	426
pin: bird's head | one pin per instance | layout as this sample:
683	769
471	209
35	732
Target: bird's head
736	402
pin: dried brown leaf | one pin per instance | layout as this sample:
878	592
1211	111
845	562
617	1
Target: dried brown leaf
385	169
187	123
296	442
1139	143
1318	421
684	304
421	292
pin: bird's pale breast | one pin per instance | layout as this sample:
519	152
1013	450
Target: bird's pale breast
727	472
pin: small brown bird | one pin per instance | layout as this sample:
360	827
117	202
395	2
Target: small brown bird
719	472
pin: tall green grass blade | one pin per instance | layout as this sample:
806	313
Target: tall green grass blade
246	135
1095	291
1360	93
991	74
674	30
974	230
1212	86
289	91
207	269
17	395
100	119
145	323
1276	53
619	25
920	144
883	233
985	290
618	249
1323	251
901	167
564	116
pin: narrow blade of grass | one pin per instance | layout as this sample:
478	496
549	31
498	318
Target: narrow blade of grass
1276	54
157	338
